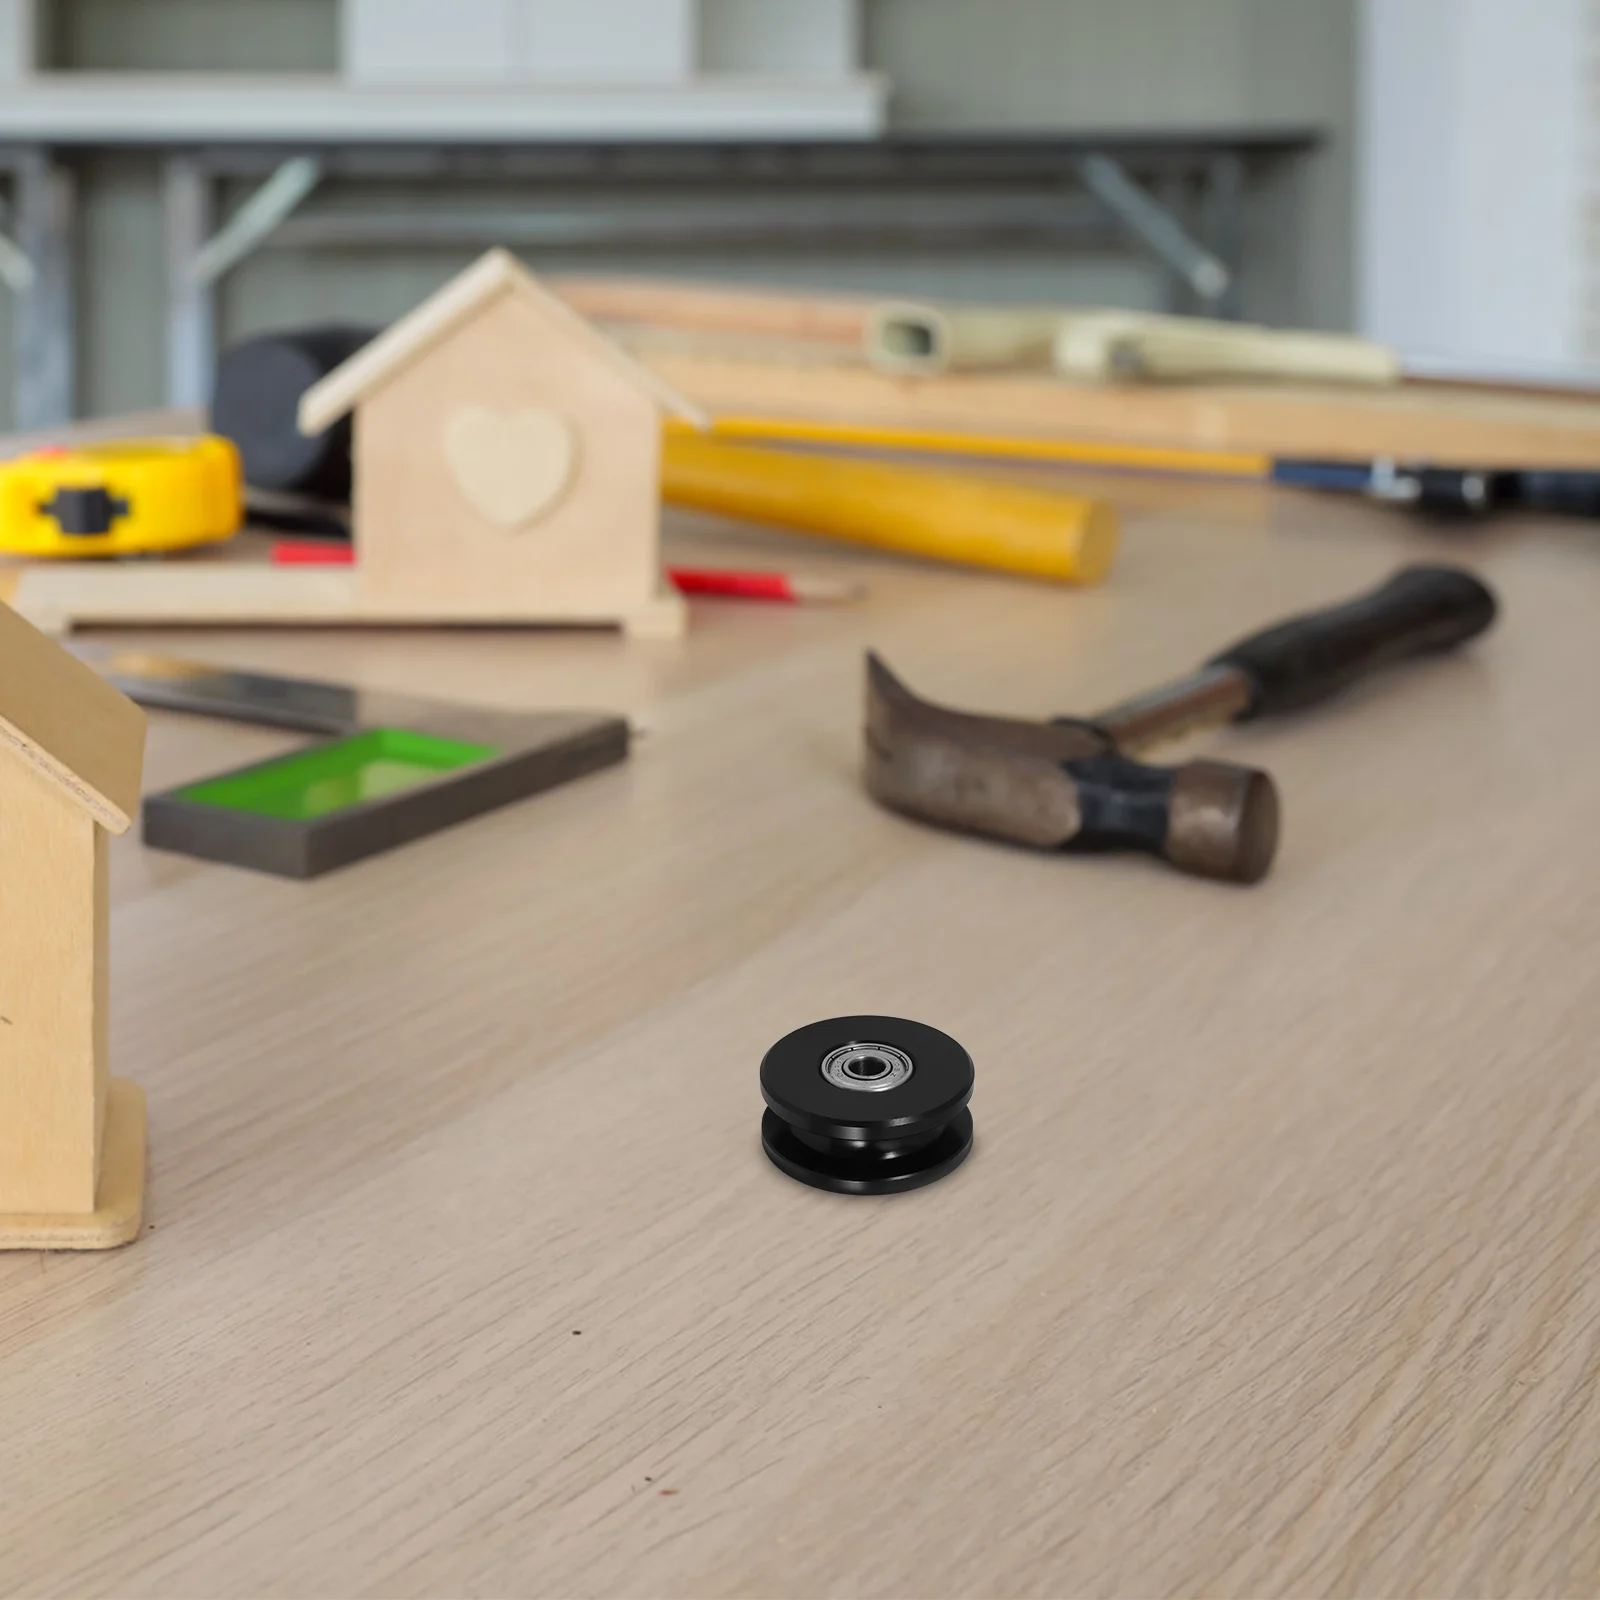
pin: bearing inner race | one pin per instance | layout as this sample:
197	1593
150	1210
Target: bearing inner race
868	1068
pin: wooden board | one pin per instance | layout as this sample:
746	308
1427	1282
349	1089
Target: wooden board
1271	1272
225	591
1435	423
651	306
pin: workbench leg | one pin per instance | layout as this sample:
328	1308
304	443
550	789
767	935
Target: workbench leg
191	301
44	341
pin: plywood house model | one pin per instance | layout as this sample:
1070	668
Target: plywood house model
507	471
71	1137
507	461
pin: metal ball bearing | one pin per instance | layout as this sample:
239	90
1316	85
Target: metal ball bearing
866	1105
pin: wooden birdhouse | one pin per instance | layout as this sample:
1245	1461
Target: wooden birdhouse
507	472
71	1137
507	462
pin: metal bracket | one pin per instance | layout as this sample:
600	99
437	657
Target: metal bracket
257	219
1152	222
198	259
36	264
17	271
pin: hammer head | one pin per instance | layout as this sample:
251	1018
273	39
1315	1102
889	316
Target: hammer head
1062	785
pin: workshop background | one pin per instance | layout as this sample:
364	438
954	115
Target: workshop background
1444	205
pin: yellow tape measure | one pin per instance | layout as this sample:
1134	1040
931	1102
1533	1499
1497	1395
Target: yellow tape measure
130	497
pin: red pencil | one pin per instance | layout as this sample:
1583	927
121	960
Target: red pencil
725	585
779	586
313	553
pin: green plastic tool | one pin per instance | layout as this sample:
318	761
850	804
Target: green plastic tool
388	769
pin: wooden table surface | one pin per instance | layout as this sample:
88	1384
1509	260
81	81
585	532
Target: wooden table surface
1273	1270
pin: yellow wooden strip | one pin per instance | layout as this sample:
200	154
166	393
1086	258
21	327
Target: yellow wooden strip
943	516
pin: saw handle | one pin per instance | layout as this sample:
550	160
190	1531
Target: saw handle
1309	658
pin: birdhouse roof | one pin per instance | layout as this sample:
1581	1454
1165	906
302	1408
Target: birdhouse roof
493	275
65	721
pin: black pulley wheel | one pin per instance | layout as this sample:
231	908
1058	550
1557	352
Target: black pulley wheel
867	1105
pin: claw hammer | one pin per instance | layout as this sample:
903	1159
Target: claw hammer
1074	783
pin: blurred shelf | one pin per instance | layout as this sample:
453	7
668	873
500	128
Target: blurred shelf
726	159
188	108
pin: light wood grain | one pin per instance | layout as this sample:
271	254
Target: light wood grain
119	1197
1273	1271
422	541
237	586
512	467
496	346
53	933
71	755
1436	423
718	308
494	276
64	722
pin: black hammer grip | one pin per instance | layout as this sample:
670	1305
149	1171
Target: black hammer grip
1306	659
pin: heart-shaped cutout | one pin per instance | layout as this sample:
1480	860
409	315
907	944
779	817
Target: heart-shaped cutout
512	467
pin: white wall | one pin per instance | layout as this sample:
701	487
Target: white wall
1472	145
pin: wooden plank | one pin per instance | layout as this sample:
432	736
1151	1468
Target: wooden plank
1445	425
718	308
59	598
